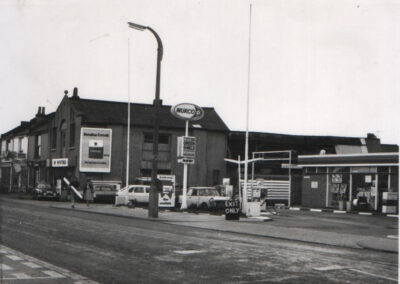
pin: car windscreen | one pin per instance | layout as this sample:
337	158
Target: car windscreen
208	192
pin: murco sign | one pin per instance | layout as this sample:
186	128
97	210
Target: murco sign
187	111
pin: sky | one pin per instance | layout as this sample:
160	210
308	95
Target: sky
326	67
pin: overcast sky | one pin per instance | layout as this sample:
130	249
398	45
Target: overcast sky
326	67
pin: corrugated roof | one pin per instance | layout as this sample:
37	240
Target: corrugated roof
108	112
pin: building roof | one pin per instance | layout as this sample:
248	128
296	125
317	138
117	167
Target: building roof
109	112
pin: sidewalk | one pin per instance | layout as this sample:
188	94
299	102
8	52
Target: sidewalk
274	229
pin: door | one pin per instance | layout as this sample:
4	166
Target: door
192	198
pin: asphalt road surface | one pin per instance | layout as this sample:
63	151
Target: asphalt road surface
108	249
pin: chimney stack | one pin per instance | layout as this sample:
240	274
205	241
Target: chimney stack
75	93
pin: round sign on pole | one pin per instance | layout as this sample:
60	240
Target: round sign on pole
187	111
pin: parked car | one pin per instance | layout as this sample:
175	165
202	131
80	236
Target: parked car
45	191
204	198
136	193
105	190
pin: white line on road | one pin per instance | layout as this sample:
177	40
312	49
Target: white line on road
315	210
189	251
53	274
364	213
294	208
391	215
371	274
5	267
14	257
3	251
21	276
339	211
31	264
328	268
392	236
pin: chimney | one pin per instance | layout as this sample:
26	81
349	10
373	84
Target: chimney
43	110
40	112
75	93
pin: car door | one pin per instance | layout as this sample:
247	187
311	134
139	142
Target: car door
191	197
139	194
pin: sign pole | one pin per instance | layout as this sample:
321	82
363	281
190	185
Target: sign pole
184	189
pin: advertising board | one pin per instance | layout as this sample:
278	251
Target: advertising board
187	111
95	150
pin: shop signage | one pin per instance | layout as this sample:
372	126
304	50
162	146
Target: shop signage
95	150
187	111
59	163
166	198
186	161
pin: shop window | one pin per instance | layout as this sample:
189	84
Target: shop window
72	135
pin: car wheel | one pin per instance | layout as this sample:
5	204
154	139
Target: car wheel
203	206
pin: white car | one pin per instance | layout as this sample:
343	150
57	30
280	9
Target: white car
135	193
204	198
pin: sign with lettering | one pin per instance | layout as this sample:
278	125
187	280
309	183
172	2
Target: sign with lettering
232	209
187	111
59	163
95	150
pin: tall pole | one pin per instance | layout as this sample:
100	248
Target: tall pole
129	116
185	167
153	196
246	148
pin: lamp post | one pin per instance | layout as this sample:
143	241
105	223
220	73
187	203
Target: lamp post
153	197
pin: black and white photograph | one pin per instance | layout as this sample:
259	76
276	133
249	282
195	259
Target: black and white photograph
199	141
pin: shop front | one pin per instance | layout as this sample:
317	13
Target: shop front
350	182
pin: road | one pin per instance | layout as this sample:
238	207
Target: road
109	249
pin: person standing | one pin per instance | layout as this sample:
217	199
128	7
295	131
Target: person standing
88	192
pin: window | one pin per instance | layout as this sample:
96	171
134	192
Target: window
20	144
38	146
53	138
72	135
162	138
139	190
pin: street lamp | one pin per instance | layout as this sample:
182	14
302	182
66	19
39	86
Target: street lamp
153	198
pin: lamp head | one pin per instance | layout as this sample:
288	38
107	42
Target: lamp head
136	26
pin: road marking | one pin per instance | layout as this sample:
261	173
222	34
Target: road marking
371	274
14	257
3	251
5	267
391	215
339	211
328	268
364	213
21	276
189	251
53	274
392	236
315	210
31	264
294	208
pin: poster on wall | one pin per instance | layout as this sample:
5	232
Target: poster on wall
95	150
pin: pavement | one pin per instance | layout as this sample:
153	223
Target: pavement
351	231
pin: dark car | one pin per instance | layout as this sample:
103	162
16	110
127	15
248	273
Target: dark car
45	191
